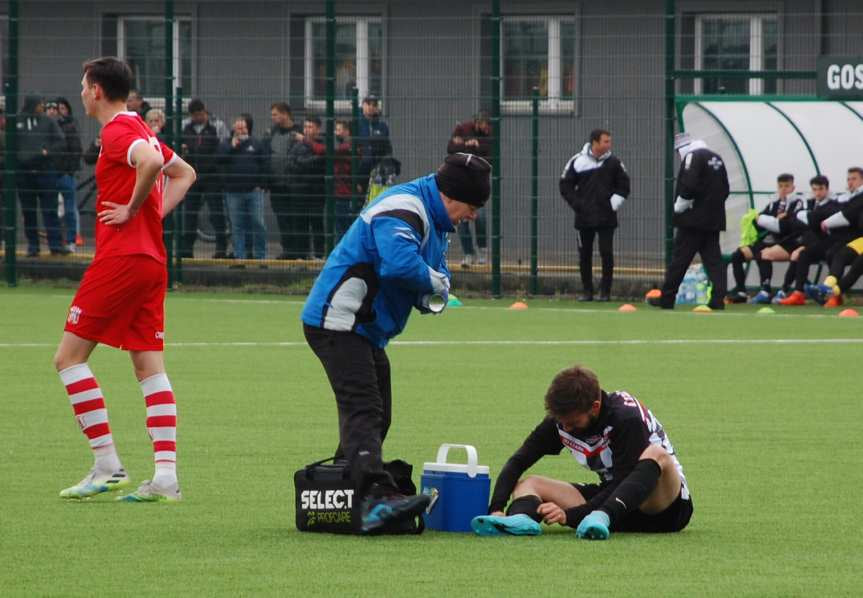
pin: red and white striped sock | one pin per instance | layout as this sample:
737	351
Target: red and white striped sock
162	426
89	407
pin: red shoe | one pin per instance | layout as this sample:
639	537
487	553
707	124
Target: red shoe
795	298
834	301
79	241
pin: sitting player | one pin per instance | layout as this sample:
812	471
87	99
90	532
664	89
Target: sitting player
821	244
794	232
769	225
830	293
642	487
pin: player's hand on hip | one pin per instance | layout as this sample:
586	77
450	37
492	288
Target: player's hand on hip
551	513
115	214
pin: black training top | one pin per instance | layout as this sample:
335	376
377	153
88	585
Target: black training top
611	446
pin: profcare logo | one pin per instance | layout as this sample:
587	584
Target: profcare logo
327	506
840	77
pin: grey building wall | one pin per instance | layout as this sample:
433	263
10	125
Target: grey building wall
248	54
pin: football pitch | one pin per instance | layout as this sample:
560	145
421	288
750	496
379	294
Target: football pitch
765	413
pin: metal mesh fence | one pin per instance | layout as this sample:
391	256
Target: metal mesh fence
448	75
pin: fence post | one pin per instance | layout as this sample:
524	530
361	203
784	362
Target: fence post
330	126
11	164
534	193
170	224
179	215
495	149
356	201
670	16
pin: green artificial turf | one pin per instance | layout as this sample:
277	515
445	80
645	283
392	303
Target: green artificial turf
768	434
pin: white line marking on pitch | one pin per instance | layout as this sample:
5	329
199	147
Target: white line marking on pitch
490	342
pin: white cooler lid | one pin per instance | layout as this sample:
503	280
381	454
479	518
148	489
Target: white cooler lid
454	468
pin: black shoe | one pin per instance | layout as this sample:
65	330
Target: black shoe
715	305
284	256
32	253
377	513
220	255
604	298
657	302
738	297
60	251
586	297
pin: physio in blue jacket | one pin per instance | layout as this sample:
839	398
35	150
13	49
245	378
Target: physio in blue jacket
391	260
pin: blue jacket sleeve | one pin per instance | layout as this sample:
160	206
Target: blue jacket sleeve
398	245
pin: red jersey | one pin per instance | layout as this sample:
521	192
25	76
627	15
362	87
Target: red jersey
115	182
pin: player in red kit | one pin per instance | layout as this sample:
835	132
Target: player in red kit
122	295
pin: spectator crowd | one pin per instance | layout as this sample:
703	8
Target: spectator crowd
237	171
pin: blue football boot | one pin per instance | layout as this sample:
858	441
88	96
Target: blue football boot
594	526
497	525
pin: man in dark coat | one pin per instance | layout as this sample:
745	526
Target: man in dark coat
595	184
200	149
699	216
41	142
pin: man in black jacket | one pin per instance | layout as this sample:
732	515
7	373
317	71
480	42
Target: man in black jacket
41	142
699	215
200	148
641	483
67	165
594	183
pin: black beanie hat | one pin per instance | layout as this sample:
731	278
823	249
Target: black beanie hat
465	178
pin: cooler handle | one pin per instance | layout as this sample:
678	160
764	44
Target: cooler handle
472	459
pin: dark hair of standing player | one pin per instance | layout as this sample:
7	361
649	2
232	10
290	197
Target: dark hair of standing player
111	74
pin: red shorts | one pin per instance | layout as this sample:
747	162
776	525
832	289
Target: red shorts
121	302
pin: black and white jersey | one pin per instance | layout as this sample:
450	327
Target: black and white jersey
587	184
611	447
770	219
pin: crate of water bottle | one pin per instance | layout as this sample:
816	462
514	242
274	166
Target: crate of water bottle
695	288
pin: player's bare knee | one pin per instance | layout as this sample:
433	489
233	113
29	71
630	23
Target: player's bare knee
527	485
747	253
658	454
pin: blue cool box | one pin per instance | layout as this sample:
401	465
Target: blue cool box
459	491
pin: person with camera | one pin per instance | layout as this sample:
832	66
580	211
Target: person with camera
393	259
40	144
244	168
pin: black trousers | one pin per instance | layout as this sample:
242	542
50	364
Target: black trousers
585	258
822	249
309	218
280	200
359	374
688	242
197	197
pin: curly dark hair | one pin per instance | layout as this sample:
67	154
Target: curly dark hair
573	390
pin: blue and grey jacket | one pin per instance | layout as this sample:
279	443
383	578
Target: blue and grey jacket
392	256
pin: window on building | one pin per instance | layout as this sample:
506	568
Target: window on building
536	51
736	42
141	42
358	59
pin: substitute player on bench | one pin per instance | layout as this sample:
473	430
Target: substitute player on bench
121	298
642	487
